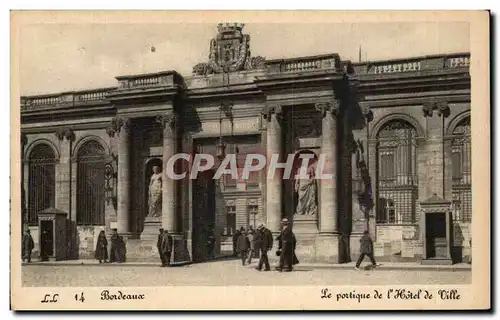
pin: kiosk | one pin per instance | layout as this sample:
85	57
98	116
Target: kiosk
436	230
52	230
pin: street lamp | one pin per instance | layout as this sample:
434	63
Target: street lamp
109	187
225	107
363	187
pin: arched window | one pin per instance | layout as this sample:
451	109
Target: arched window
397	182
90	184
461	168
42	182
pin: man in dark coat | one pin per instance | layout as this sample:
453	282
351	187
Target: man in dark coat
264	243
366	249
114	252
158	246
166	248
101	249
235	240
286	249
27	246
122	250
242	245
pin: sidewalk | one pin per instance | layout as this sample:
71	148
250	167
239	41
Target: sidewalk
302	266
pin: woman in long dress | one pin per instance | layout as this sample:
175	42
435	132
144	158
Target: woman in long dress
307	192
101	250
155	195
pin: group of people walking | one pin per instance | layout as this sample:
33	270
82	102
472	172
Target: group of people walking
248	243
117	252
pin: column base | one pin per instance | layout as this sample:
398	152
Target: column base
151	228
327	248
180	252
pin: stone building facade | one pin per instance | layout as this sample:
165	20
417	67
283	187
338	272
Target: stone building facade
90	153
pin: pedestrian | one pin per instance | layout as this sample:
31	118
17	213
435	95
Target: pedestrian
122	250
166	248
236	235
158	246
210	245
118	249
27	246
286	248
251	241
264	243
242	245
101	250
45	245
366	248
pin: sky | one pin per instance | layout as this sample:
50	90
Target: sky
64	57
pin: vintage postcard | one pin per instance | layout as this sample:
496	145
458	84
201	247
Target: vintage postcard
250	160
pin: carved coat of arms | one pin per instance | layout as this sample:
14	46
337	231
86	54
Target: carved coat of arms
229	52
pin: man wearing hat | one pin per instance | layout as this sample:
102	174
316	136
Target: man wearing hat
264	243
159	246
166	248
286	249
28	245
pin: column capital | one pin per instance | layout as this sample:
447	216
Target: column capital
117	124
165	120
441	106
60	133
332	107
67	133
272	109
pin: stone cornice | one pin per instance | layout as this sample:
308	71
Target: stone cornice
411	82
75	127
278	81
409	100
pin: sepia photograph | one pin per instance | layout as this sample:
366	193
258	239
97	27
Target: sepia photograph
232	152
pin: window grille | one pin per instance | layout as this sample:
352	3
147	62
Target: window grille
397	183
41	182
461	164
90	184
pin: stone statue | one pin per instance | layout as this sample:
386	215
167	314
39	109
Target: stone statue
155	194
306	189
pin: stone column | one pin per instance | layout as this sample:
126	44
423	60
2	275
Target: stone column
372	169
66	136
123	208
273	114
169	201
328	207
435	113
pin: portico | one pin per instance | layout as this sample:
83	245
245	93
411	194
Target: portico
95	162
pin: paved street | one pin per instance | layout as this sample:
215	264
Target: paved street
226	273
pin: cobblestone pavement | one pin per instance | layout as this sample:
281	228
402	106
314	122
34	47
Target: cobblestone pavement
227	273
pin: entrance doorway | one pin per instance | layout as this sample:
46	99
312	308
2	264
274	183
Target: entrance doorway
436	242
203	215
46	239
